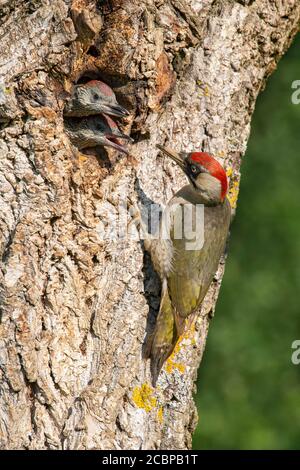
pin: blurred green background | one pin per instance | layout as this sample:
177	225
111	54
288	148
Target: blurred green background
248	389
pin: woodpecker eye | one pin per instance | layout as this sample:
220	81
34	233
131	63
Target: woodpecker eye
194	169
96	97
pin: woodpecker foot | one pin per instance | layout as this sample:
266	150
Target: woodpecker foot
190	320
134	212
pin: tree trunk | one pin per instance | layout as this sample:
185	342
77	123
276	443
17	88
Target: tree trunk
75	305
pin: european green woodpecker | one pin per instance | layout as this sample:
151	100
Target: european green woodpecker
187	262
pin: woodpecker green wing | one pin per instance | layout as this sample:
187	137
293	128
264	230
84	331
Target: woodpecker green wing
187	283
193	270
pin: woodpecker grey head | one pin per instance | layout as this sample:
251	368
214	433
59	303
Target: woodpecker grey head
93	97
96	130
204	172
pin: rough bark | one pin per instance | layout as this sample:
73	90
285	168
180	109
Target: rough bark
74	307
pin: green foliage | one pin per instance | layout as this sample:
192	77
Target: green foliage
248	389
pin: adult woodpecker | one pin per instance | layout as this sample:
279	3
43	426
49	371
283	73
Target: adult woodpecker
186	273
96	130
93	97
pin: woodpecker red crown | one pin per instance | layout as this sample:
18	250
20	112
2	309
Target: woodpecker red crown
214	168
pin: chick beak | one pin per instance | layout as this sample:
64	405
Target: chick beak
112	141
176	157
114	110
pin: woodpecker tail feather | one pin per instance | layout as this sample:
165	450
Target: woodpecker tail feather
160	344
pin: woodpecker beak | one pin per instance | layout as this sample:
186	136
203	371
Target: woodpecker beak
176	157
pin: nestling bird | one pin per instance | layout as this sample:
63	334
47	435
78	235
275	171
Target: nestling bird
93	97
96	130
186	270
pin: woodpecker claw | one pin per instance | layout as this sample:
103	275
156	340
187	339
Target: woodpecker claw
115	110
